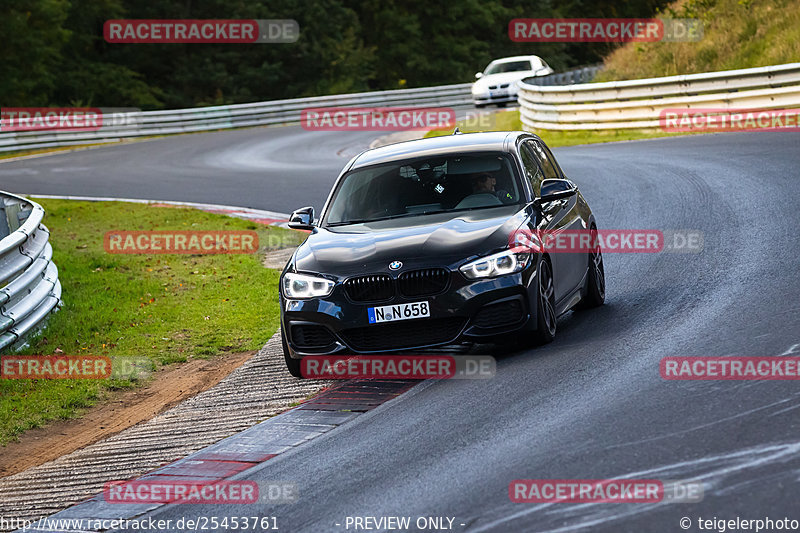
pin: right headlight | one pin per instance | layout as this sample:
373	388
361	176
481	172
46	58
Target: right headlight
499	264
300	286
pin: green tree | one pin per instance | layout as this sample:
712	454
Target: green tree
33	33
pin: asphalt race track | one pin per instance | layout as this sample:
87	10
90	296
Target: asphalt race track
592	404
265	168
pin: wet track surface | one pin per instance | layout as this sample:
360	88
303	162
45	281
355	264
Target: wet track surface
590	405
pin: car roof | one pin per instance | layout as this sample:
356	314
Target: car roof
514	58
489	141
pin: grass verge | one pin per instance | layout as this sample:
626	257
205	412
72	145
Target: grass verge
510	121
168	308
736	34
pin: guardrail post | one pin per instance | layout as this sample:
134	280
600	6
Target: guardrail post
4	231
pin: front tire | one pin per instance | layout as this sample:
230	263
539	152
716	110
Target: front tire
595	293
292	364
545	305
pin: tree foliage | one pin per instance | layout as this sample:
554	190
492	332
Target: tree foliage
54	53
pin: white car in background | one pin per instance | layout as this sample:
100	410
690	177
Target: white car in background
498	83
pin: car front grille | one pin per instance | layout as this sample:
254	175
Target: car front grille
411	284
404	334
311	336
499	314
423	282
371	288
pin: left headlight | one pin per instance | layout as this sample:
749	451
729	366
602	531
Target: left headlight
499	264
305	286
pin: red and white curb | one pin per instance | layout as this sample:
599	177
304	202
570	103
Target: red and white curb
260	216
246	450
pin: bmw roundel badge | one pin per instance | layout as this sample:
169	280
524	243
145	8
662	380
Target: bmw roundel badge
395	265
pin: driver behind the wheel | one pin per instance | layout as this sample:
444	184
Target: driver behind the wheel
486	183
484	193
483	183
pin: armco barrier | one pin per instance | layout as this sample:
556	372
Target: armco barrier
29	286
638	103
143	123
578	75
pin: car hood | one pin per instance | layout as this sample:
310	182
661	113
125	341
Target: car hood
424	241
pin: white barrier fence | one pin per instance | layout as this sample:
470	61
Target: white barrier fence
29	286
639	103
144	123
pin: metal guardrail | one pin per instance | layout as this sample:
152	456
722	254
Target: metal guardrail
578	75
29	286
638	103
144	123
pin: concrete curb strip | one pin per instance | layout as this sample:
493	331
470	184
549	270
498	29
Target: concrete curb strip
257	390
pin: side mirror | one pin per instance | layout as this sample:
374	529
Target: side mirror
555	189
478	75
303	218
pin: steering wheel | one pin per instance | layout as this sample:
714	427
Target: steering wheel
504	196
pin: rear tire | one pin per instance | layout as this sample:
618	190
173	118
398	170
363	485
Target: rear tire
292	365
545	305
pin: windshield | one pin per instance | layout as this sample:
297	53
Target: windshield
424	186
510	66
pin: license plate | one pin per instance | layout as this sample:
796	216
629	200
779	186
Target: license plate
497	94
393	313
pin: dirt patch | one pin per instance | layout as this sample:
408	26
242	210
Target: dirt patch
277	259
121	410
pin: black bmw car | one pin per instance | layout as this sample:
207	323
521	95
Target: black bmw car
415	248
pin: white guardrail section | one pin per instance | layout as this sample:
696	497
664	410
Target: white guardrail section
143	123
29	286
638	103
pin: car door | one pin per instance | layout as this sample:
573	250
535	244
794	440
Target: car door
553	216
566	216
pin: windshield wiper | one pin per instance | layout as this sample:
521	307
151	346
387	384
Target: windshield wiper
363	220
403	215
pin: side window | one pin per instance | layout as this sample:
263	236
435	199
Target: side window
532	170
546	159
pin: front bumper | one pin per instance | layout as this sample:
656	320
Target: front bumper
499	96
468	310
